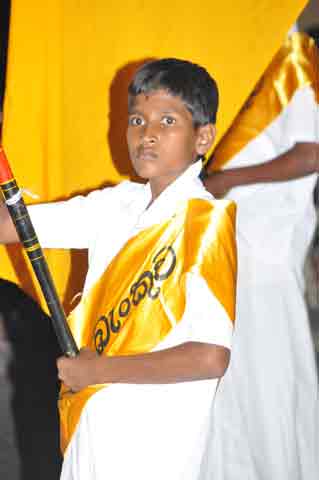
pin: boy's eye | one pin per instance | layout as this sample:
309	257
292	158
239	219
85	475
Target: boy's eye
168	120
135	121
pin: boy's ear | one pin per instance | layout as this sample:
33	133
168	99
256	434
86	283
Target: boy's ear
205	138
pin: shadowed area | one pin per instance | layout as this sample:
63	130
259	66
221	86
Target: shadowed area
32	377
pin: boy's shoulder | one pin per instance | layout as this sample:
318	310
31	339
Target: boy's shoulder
127	187
123	192
219	203
215	208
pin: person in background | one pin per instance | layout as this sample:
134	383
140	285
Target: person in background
266	415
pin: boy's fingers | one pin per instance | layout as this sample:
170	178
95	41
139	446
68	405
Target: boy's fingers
60	362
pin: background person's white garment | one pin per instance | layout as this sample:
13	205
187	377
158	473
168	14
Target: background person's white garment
156	432
266	416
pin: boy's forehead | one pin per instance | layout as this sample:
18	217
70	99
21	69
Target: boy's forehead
157	98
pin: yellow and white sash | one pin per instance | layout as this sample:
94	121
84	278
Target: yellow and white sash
295	66
141	295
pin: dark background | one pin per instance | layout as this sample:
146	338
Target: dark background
4	29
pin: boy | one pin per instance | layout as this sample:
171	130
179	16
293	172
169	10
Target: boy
158	299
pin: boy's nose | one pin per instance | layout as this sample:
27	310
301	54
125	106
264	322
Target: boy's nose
150	134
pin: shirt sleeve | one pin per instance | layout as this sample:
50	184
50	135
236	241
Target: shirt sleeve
206	318
73	223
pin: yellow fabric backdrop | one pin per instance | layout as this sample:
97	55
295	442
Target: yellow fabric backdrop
69	65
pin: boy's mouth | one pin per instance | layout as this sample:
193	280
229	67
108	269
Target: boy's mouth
145	153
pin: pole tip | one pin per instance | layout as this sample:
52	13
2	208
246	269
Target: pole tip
5	170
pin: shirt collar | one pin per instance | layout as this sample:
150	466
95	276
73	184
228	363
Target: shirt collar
189	175
183	188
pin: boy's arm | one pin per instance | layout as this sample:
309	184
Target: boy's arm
186	362
8	232
60	224
299	161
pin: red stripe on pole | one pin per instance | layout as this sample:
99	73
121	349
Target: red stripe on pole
5	170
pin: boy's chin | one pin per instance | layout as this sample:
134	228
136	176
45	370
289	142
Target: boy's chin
145	173
140	176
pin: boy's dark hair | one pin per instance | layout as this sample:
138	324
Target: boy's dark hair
190	82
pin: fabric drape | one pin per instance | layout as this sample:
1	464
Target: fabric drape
69	64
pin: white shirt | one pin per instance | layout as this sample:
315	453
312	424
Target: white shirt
138	431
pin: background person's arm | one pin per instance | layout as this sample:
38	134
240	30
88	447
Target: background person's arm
299	161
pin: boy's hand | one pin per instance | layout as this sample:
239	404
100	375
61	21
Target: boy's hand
79	372
8	233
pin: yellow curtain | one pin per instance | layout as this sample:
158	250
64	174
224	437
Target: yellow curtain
69	63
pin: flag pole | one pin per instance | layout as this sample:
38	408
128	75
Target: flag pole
26	233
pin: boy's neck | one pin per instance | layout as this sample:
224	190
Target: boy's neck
158	185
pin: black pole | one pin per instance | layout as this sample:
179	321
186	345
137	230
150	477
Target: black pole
20	216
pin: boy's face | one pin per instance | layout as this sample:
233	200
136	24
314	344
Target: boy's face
161	138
